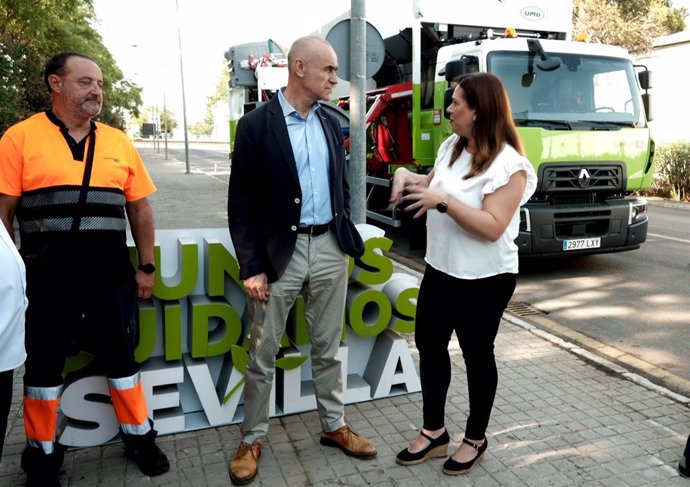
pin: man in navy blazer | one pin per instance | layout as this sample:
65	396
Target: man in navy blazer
288	213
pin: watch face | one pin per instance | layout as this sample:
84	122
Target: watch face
442	207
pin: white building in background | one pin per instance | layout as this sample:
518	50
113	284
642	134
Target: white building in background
221	123
670	66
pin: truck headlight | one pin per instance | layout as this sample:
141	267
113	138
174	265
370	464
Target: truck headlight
638	211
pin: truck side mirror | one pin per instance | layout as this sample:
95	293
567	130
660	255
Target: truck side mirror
447	98
528	79
547	63
645	78
454	69
647	102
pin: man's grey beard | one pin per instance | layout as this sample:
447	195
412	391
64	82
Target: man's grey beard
86	107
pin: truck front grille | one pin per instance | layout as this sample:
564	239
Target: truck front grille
558	178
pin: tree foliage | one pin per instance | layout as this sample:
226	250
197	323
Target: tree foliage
220	95
33	30
164	118
632	24
672	175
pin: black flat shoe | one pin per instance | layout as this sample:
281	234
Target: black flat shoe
437	448
451	467
684	467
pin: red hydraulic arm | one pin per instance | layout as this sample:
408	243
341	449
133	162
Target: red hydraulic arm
388	127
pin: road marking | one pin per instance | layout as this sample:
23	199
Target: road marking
213	175
669	238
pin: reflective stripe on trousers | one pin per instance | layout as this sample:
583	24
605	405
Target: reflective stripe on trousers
129	403
40	416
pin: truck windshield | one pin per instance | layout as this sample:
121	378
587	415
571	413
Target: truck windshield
590	89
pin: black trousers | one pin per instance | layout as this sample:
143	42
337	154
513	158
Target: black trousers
68	313
473	309
5	403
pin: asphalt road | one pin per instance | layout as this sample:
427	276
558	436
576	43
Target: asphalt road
636	301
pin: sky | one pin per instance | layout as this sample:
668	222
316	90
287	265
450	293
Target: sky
142	36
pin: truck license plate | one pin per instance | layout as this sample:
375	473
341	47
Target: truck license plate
581	244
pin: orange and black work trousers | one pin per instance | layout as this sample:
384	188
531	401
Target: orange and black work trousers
68	313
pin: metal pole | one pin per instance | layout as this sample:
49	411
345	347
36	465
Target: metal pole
184	105
165	124
416	71
357	172
157	128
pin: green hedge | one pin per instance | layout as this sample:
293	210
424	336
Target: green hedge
672	177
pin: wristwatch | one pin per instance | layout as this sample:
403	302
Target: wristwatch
147	268
442	207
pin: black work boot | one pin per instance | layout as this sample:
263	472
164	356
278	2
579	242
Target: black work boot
145	453
42	469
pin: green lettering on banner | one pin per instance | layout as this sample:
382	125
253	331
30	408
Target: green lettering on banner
405	308
374	267
172	326
186	275
203	310
369	312
219	262
148	318
77	362
192	339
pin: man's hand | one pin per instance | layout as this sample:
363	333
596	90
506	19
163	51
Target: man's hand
257	287
144	284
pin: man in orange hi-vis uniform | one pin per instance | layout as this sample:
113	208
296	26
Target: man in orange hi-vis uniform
71	181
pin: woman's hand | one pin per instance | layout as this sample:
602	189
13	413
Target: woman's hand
398	186
420	198
402	180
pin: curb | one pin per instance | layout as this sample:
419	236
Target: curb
663	203
597	353
608	358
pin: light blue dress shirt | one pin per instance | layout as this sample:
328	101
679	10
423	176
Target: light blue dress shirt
311	155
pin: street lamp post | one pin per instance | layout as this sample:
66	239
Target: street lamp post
184	105
165	124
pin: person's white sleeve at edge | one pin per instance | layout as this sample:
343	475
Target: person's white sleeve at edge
13	304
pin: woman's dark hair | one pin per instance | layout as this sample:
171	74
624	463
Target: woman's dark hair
493	126
56	65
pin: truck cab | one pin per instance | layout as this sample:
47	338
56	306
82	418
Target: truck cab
581	109
583	124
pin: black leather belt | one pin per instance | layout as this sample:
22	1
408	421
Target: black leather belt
314	229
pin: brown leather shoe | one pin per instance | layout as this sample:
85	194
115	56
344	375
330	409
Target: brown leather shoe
349	442
243	467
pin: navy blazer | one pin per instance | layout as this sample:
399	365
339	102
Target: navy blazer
265	198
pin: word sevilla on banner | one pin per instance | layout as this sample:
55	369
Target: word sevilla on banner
193	342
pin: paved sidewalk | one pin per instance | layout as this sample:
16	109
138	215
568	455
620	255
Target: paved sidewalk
562	415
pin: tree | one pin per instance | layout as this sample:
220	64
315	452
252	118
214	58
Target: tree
632	24
168	121
33	30
152	114
202	128
220	95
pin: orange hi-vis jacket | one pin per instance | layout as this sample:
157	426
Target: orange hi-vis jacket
61	196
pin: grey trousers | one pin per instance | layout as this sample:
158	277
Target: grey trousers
319	272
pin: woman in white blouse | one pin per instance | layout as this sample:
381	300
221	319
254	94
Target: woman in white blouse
471	199
12	307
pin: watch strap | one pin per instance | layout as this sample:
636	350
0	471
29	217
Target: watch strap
147	268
